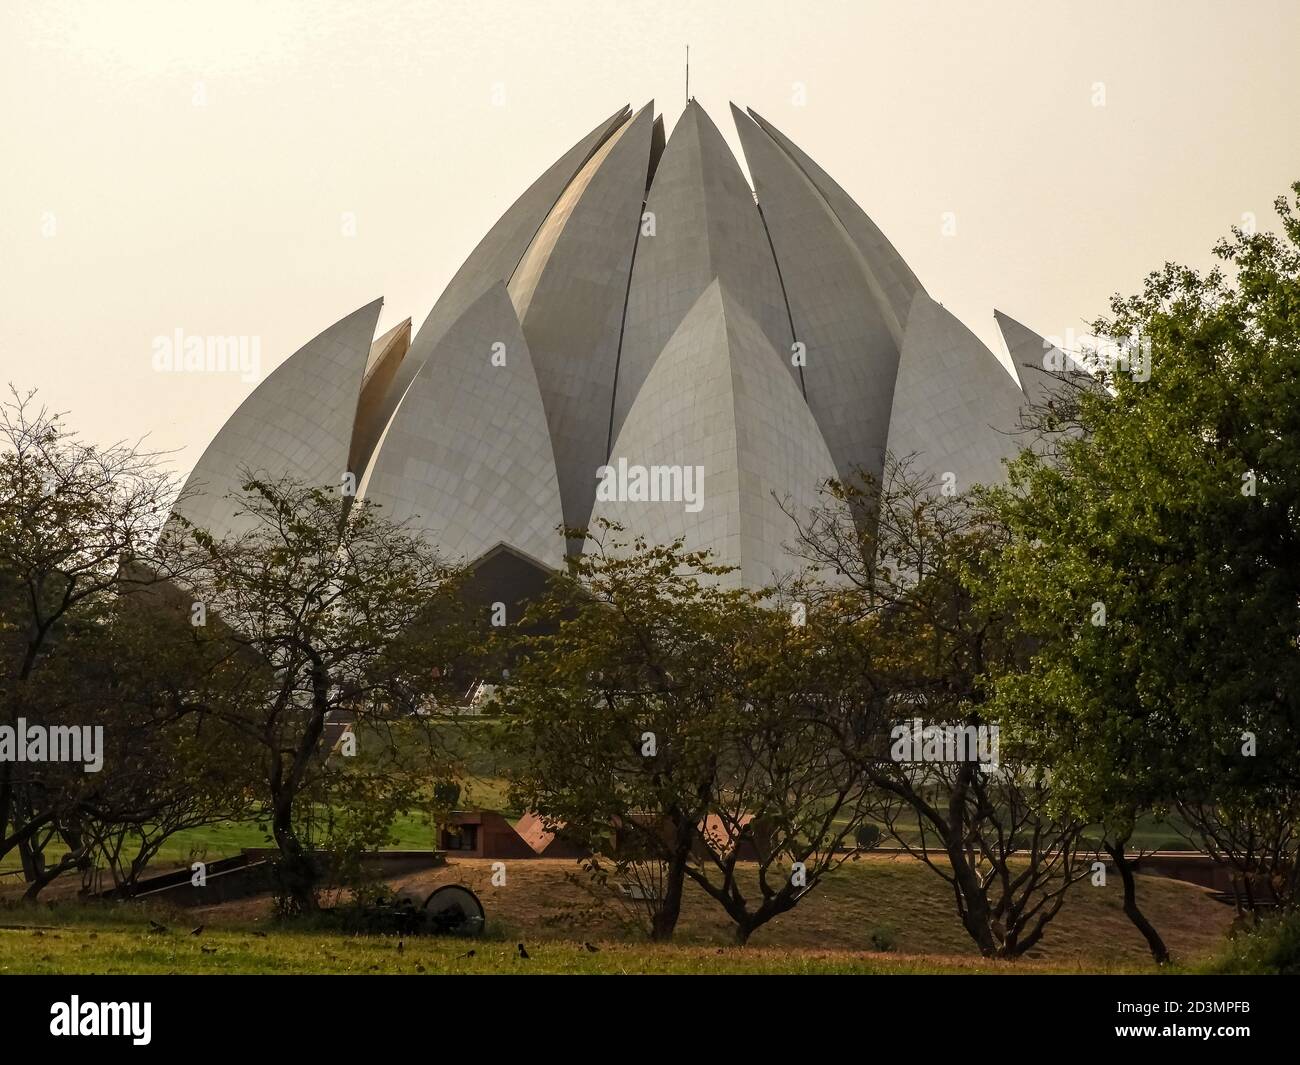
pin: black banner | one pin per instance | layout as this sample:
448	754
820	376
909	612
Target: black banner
168	1014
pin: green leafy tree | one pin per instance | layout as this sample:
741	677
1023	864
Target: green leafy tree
615	707
1153	559
681	729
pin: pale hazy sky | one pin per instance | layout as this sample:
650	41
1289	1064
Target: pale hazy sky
182	165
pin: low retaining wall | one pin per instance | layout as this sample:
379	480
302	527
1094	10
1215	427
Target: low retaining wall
251	873
1192	866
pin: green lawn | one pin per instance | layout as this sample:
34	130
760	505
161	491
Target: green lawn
228	838
410	832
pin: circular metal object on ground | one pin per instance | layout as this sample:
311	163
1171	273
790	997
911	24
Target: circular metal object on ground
455	910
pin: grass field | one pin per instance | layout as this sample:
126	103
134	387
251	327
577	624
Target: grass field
840	928
882	914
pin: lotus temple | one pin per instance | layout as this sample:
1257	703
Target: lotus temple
641	337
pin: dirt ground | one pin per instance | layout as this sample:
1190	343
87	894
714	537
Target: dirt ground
877	900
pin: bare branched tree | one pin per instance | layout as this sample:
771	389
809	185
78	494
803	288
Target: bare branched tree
74	518
916	641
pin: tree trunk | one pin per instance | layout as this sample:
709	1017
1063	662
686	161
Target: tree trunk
975	911
975	915
1158	949
37	872
47	877
33	861
664	922
296	869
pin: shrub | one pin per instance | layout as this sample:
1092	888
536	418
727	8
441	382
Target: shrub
883	938
1272	949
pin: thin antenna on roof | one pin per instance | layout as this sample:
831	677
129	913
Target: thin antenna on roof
688	73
